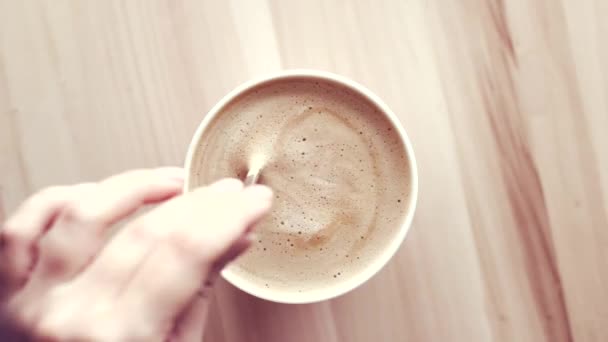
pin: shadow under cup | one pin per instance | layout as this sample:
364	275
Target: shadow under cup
330	160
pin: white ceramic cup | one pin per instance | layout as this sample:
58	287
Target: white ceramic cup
348	283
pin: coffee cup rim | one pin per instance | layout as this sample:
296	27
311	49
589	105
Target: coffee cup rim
382	258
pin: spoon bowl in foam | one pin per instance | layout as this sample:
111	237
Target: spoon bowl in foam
347	283
254	166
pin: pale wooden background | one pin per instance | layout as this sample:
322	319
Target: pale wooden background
506	104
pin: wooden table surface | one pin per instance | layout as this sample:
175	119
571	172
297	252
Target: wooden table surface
506	104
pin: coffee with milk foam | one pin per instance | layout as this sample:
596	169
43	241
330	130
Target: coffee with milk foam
339	171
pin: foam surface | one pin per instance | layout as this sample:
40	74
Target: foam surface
338	169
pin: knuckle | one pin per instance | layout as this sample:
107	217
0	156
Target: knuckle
191	249
77	212
183	246
54	264
56	193
53	195
141	231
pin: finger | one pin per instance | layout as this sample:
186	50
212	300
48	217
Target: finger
227	185
169	276
81	229
119	196
20	235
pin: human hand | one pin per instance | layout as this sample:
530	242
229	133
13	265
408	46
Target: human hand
65	277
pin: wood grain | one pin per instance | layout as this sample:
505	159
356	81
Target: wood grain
505	102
